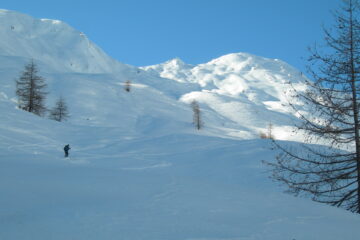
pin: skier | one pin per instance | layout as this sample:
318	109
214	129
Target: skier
66	150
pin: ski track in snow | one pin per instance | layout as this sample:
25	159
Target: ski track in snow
160	165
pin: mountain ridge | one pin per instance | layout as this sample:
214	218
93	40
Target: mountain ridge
54	43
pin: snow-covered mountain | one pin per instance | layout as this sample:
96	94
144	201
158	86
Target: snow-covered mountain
138	169
244	89
52	42
240	94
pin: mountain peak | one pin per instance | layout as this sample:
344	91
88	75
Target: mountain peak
53	43
176	61
239	58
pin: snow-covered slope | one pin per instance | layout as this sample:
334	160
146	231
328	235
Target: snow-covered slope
177	186
138	169
52	42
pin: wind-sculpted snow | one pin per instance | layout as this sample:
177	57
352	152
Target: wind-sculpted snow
138	169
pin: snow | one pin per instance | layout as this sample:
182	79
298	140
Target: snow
52	42
138	169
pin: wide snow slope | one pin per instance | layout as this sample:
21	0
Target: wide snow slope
138	170
174	186
155	180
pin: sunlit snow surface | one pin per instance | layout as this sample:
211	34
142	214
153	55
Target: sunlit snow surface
138	170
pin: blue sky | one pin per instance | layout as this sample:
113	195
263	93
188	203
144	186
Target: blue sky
140	32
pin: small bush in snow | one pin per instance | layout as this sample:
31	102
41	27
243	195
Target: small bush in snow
127	86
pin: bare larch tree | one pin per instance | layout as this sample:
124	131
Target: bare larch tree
196	115
30	89
60	111
329	174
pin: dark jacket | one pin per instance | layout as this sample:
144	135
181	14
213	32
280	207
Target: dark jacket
67	148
